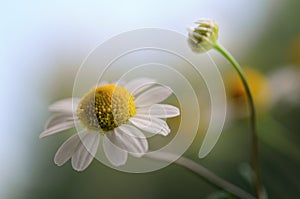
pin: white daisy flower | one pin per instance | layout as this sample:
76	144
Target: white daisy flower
115	113
285	85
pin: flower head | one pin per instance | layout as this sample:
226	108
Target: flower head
115	113
203	37
106	107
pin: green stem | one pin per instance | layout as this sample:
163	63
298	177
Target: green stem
202	172
254	153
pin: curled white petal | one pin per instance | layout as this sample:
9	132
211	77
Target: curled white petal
65	105
159	110
66	150
102	83
114	154
138	85
129	138
151	124
86	151
57	128
57	119
153	96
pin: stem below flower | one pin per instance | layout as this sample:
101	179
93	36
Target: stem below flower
254	153
203	172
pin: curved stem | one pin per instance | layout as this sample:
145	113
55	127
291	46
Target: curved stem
203	172
254	153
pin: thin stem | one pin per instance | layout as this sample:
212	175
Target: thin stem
254	153
203	172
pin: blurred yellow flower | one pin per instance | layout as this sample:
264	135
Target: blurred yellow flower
259	86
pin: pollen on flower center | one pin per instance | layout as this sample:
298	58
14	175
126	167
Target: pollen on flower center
106	107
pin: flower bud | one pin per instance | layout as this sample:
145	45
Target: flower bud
203	37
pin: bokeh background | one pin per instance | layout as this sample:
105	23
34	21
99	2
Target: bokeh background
43	44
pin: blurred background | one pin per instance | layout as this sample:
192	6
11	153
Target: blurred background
43	44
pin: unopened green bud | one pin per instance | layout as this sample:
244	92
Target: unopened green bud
204	37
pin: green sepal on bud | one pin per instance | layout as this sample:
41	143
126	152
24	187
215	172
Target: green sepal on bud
204	37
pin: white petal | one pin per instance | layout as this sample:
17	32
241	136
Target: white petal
65	152
114	154
102	83
57	119
57	129
159	110
86	152
65	105
151	125
153	96
137	85
129	138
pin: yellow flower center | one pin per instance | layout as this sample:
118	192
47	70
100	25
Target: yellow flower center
106	107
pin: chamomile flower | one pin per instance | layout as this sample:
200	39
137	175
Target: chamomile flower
285	85
118	114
